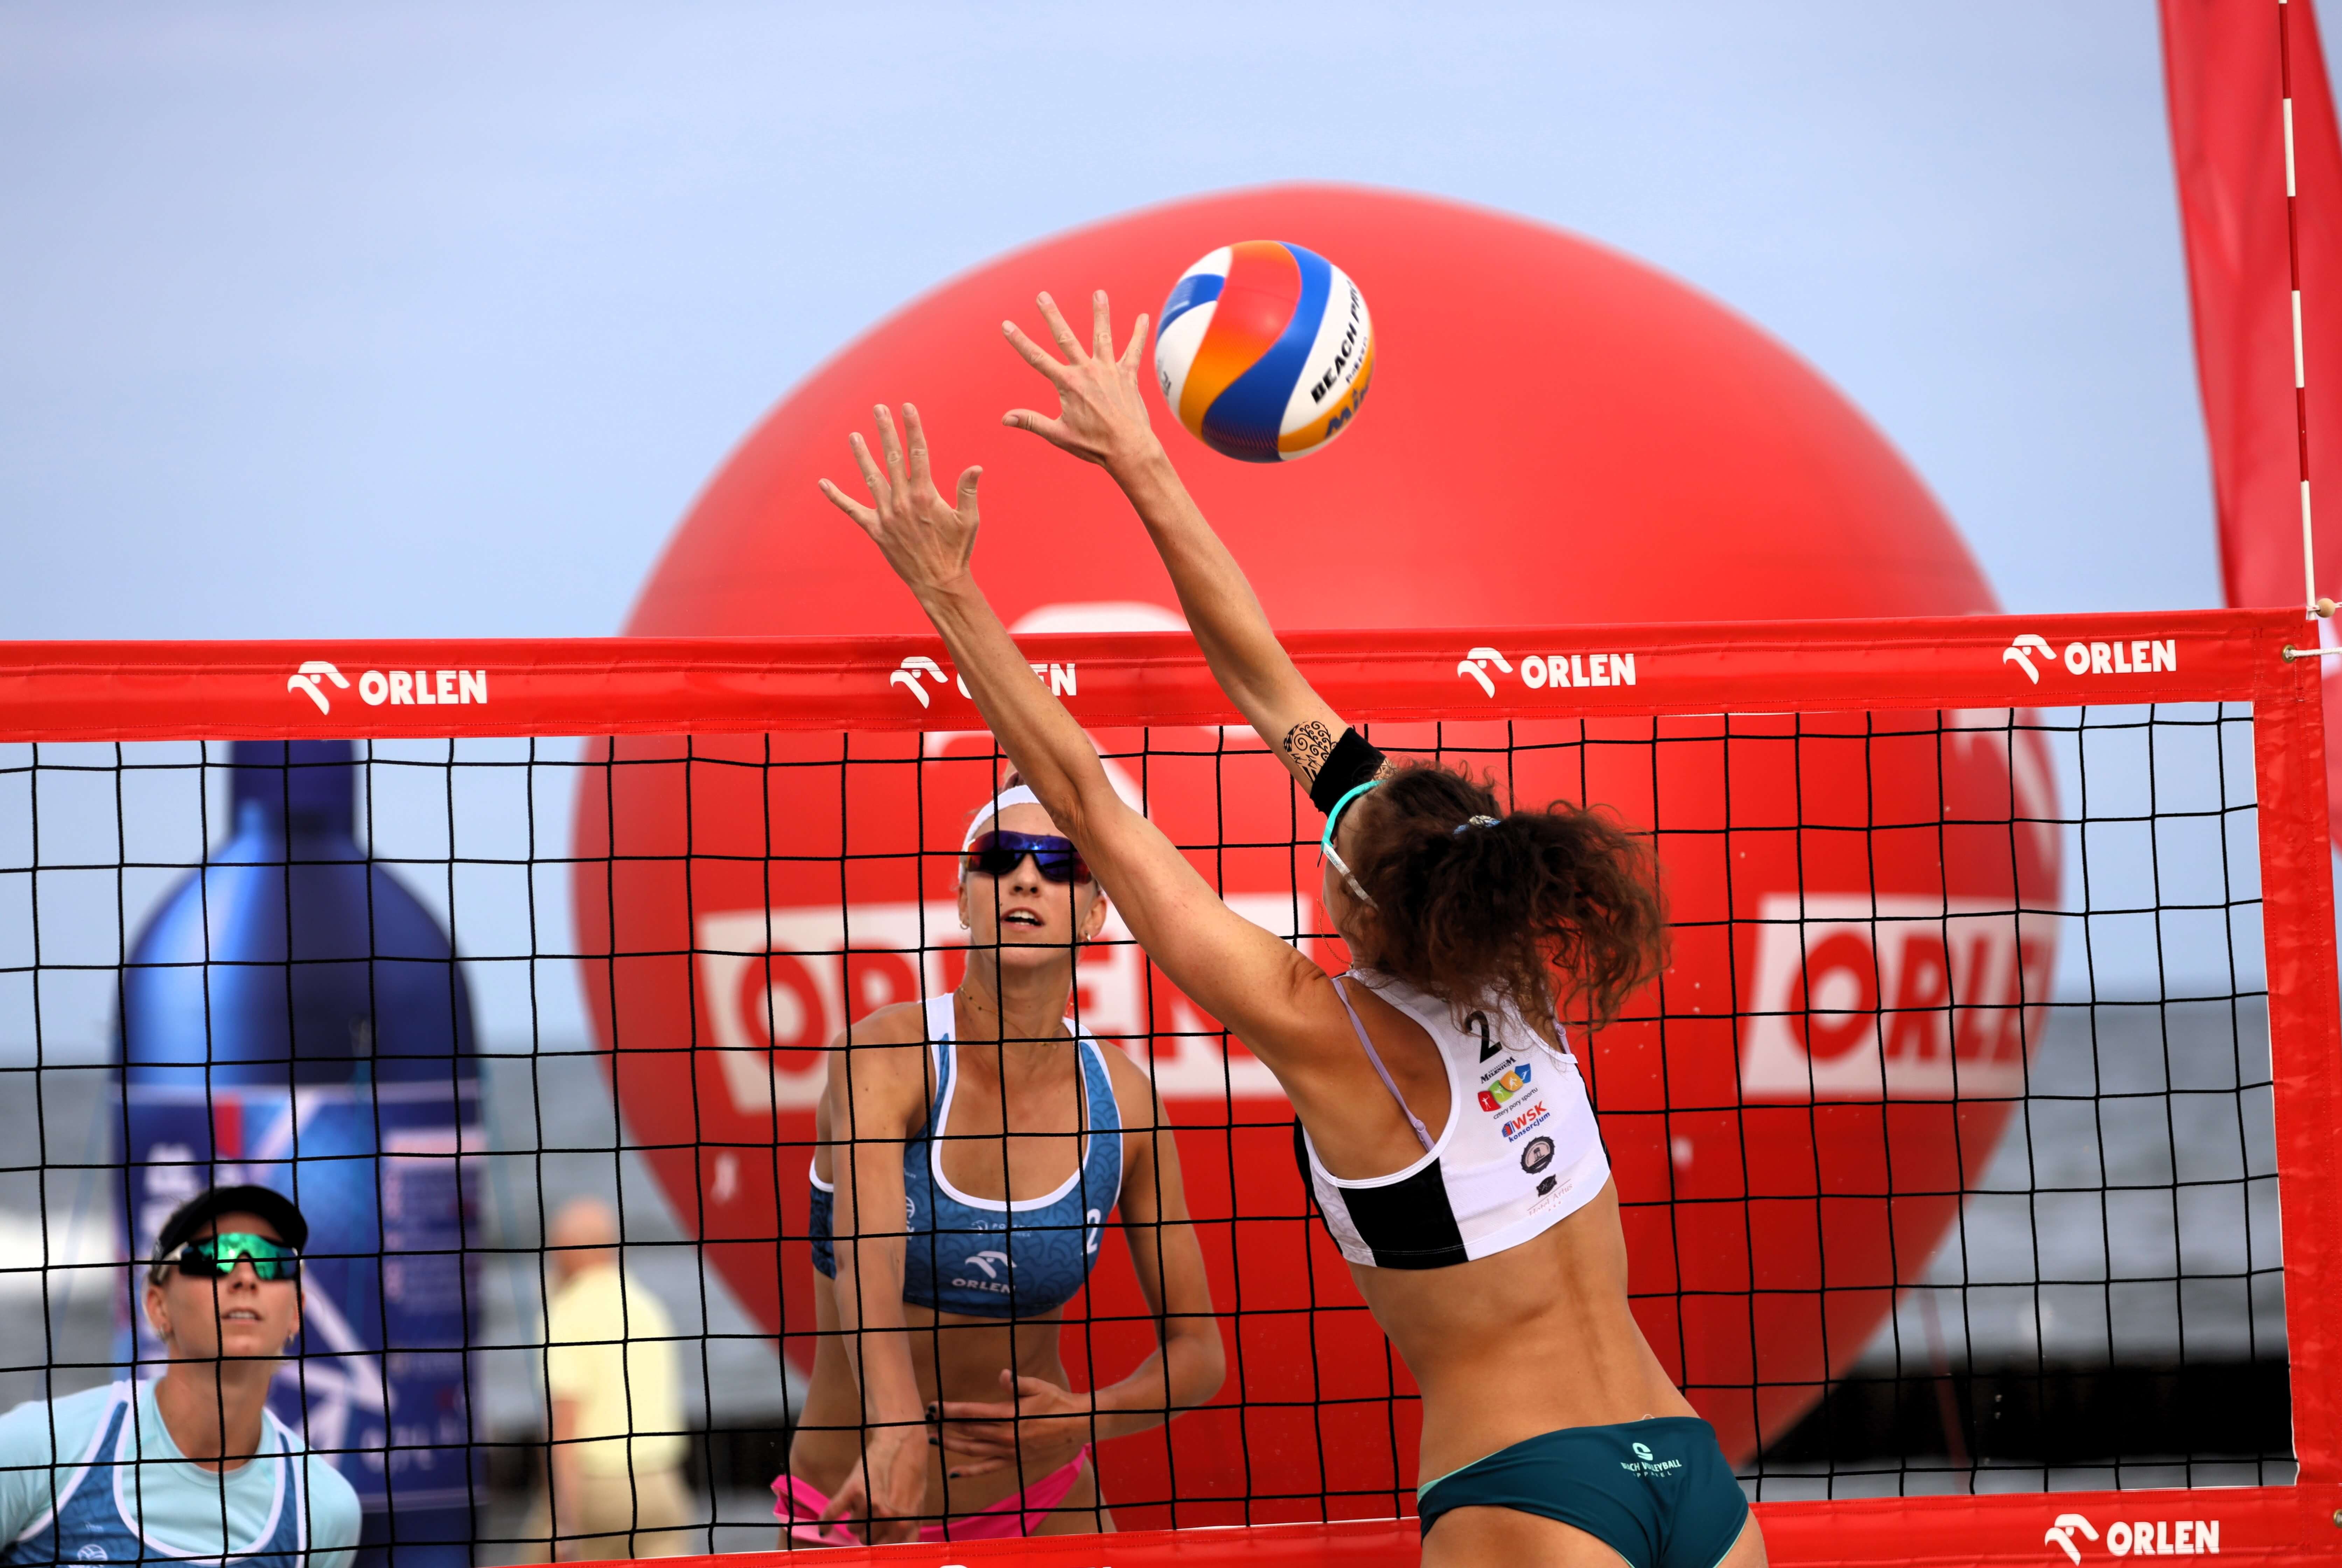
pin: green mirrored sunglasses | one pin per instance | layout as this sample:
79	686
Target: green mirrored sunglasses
215	1257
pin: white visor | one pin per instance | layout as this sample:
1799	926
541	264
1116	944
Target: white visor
1015	794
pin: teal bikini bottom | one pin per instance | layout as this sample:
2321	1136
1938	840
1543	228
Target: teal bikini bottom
1658	1492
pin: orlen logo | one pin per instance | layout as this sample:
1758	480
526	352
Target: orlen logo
2144	656
2137	1538
909	673
1856	997
312	671
1063	680
420	688
781	983
1543	672
992	1263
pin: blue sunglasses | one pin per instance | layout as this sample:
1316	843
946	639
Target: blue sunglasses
999	852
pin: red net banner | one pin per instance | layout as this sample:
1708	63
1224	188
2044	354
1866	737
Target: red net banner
763	838
655	685
2256	1524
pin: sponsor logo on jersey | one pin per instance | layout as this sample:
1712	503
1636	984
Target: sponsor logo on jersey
1546	1185
1537	1156
1497	1095
1536	1115
994	1264
1646	1463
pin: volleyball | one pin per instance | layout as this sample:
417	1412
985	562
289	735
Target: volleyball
1264	350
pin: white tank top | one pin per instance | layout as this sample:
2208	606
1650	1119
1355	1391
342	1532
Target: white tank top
1519	1155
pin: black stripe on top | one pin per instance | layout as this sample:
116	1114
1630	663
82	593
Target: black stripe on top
1408	1225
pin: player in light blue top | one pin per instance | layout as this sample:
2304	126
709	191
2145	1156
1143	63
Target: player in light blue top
191	1466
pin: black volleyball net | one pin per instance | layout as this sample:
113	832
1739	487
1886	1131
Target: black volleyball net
1953	1146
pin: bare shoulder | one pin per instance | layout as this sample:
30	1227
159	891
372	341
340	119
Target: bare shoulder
882	1061
903	1023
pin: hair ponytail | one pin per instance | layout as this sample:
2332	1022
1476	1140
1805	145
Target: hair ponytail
1472	903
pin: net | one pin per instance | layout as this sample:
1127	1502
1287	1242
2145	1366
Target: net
1998	1049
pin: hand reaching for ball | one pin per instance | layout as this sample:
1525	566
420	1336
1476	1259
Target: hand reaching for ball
924	538
1101	411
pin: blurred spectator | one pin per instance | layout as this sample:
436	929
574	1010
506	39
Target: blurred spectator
191	1466
615	1480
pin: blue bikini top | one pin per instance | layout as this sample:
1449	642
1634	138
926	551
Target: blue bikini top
981	1256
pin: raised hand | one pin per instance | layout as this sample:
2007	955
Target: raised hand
1042	1424
1101	413
925	539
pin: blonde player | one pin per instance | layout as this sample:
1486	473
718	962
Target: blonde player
971	1148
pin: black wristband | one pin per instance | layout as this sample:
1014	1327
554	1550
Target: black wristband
1354	762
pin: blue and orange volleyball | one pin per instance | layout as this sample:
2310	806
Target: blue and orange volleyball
1264	350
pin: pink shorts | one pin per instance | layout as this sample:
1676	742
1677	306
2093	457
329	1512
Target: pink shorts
799	1507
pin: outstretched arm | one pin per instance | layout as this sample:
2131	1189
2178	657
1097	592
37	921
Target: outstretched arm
1102	419
1269	994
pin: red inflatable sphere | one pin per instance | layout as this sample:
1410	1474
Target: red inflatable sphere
1560	435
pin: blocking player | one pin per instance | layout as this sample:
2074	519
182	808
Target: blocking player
1486	1242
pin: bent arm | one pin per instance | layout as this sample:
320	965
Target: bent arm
865	1128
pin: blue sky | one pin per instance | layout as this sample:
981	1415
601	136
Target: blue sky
432	319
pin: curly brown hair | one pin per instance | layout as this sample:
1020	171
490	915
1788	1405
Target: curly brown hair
1555	908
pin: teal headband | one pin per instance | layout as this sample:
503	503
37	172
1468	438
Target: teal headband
1334	817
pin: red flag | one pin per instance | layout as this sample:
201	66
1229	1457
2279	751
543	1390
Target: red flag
2273	418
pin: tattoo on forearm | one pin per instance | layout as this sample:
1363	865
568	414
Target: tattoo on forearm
1308	744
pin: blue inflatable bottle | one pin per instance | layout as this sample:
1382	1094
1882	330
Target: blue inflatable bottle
291	1016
